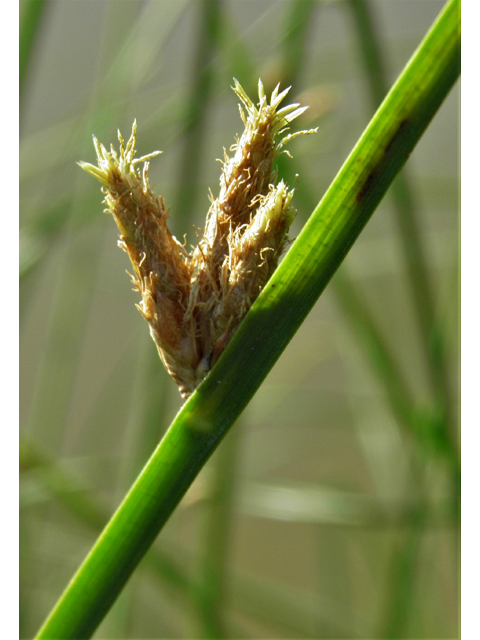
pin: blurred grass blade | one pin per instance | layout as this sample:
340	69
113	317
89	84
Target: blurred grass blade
272	321
213	590
369	48
297	27
433	339
298	20
198	102
291	612
30	20
136	60
133	64
31	248
403	597
70	491
130	462
303	502
67	324
356	310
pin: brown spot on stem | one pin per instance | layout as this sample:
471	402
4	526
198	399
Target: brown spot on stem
383	161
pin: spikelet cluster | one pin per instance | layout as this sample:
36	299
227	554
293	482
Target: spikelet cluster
194	302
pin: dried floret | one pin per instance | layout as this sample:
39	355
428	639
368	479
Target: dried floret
195	302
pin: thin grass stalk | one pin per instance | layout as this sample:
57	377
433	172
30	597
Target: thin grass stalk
402	607
266	330
54	384
237	57
73	286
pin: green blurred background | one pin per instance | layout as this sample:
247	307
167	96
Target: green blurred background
331	508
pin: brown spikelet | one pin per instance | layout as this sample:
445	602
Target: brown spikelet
195	302
162	268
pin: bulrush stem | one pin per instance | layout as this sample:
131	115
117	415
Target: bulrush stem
195	302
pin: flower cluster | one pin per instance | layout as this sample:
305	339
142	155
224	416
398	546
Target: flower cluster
194	302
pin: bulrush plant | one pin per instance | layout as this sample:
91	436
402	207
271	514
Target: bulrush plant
194	302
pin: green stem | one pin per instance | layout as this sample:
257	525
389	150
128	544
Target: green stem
266	330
